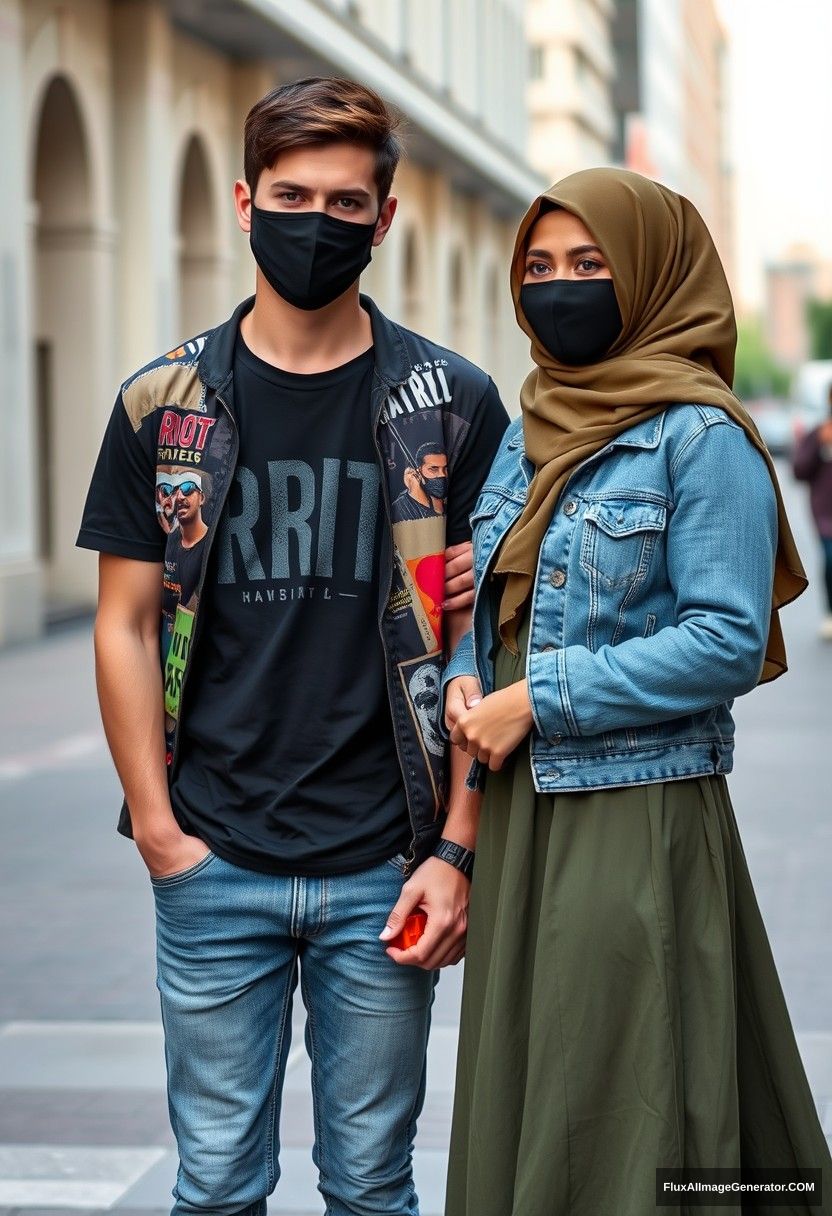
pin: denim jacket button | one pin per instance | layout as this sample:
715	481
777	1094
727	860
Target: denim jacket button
571	507
555	775
557	578
556	739
545	649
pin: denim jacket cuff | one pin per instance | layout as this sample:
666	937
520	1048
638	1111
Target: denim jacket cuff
462	663
549	695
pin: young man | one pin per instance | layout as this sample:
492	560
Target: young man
284	777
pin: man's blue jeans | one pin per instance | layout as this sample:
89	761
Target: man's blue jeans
229	942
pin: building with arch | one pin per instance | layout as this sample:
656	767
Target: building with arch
121	136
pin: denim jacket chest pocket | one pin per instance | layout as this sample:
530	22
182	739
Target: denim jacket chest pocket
622	541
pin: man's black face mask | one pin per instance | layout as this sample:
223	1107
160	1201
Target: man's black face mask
576	320
309	258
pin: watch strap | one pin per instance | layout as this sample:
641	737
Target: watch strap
456	855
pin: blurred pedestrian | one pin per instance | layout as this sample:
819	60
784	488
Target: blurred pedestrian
621	1006
812	462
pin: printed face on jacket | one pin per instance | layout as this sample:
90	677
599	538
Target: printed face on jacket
179	498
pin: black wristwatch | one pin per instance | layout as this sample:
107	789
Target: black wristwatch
456	855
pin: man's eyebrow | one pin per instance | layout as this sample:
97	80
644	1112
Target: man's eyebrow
352	191
570	253
297	188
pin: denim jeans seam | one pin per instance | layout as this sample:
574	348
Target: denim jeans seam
294	908
271	1168
419	1099
410	1135
324	905
173	880
316	1101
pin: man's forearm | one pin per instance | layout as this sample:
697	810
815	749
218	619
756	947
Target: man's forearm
463	804
129	684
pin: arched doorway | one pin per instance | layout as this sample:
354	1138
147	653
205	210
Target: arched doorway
200	289
65	305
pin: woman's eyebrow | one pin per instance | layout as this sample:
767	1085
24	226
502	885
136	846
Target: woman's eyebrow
570	253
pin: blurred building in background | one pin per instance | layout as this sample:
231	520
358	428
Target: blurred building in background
799	277
639	83
707	174
670	101
571	74
121	135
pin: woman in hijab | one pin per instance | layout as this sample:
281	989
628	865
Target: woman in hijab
621	1009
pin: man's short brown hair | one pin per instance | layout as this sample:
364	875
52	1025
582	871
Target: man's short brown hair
321	110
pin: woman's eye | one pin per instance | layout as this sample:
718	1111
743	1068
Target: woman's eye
538	268
588	265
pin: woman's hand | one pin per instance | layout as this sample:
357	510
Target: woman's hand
491	730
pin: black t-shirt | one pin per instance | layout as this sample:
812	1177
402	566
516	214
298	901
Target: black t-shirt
287	756
288	759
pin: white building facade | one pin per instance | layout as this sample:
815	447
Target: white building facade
572	120
121	137
671	101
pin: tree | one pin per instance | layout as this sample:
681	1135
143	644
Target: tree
756	372
819	318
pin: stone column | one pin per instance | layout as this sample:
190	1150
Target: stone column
21	597
147	266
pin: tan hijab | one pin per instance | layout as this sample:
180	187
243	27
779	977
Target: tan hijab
677	345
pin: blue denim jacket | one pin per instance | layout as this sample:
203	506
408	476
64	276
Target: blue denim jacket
651	602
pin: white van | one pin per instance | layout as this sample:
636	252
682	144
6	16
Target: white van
810	393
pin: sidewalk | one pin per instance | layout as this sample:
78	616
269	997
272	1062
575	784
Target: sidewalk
83	1121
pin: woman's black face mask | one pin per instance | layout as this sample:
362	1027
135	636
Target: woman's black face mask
576	320
309	258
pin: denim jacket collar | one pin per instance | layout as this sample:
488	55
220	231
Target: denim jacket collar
643	435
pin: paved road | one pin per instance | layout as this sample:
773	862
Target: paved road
83	1123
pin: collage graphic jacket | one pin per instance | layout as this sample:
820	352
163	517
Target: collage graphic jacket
181	411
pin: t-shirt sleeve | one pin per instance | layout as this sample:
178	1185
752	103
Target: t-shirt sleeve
471	467
120	512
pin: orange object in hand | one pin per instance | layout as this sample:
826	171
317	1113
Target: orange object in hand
413	929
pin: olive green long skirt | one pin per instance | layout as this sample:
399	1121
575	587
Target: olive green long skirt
621	1007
